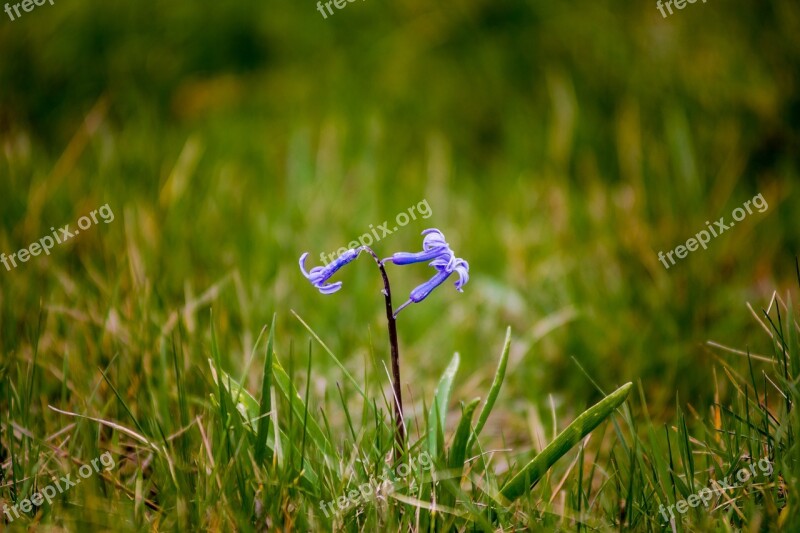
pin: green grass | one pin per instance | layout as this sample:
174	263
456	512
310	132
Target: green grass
207	465
560	148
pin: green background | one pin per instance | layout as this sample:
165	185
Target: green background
560	147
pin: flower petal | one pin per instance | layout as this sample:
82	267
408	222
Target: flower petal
422	291
303	264
407	258
433	239
442	258
444	262
462	269
330	288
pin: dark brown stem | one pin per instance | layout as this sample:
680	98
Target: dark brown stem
400	432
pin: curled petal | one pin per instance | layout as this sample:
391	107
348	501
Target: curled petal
433	239
444	262
462	269
303	264
330	288
442	258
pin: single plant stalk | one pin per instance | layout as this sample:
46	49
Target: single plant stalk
400	432
441	257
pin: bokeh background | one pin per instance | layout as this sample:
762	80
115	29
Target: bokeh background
560	146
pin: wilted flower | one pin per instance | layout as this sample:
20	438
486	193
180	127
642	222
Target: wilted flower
319	275
444	261
434	249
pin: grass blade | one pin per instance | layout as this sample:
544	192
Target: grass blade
296	403
266	398
494	390
458	450
579	428
438	413
247	406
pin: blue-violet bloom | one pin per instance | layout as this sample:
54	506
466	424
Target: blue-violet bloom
433	246
319	275
444	261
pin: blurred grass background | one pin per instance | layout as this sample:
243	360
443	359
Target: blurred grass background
560	147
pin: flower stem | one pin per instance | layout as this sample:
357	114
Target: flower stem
400	432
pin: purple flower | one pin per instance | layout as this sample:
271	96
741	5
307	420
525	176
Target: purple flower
433	246
319	275
457	265
444	261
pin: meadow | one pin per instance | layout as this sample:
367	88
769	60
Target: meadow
559	148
